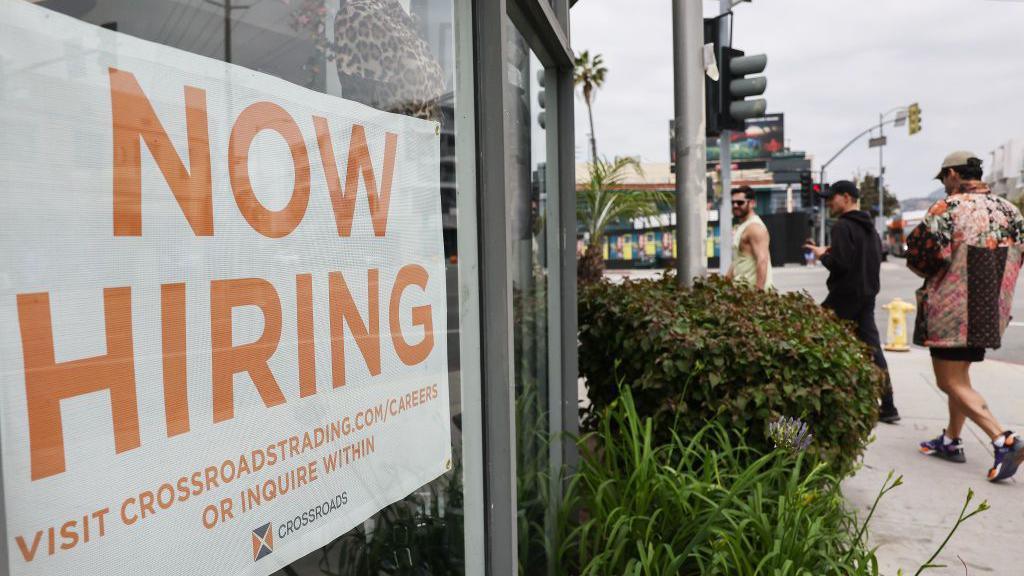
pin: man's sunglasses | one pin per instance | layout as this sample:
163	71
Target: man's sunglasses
740	202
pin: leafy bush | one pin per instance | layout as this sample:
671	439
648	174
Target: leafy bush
730	354
708	504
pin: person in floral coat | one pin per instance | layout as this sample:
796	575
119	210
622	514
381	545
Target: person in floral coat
968	248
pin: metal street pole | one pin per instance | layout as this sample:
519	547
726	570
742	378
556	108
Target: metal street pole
227	6
725	160
227	30
823	208
725	206
691	193
821	231
880	223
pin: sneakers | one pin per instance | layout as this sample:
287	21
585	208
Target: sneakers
888	414
1009	457
952	452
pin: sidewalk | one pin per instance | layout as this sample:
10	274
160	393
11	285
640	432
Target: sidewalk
913	519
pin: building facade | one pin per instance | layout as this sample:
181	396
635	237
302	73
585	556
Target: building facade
1006	174
651	242
497	78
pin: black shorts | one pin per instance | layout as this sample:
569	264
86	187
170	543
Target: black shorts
959	354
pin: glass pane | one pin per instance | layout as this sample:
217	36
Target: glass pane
527	162
394	55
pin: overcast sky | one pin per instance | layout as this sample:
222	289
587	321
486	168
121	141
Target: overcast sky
833	66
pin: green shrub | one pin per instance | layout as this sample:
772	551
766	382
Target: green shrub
704	505
729	354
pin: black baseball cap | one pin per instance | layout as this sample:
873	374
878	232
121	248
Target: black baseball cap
840	187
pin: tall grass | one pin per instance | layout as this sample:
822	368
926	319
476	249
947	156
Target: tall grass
703	505
710	504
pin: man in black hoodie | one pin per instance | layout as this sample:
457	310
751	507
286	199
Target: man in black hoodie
853	261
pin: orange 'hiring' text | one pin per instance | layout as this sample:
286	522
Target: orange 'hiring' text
48	382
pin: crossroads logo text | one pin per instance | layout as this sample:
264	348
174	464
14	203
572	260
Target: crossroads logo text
262	541
263	537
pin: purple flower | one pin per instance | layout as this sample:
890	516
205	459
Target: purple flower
790	434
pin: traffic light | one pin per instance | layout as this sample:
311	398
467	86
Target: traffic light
805	180
726	104
913	119
806	189
541	100
810	197
736	86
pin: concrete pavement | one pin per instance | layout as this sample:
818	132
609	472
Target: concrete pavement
913	519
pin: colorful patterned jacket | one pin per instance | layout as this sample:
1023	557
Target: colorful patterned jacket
968	249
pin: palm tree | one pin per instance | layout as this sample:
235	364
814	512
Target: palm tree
605	200
590	75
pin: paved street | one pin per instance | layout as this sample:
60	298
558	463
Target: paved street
898	281
914	518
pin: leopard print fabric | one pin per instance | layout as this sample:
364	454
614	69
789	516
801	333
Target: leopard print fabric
382	60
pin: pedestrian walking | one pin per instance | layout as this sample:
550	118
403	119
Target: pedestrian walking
809	258
968	250
751	259
854	261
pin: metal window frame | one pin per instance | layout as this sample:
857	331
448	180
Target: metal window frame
493	234
545	26
469	292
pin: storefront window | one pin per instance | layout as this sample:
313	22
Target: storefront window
532	216
394	55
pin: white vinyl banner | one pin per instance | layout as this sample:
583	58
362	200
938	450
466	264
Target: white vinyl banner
222	308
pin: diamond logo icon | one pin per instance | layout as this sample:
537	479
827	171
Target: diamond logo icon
262	541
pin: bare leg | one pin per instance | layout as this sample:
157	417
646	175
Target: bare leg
953	378
956	418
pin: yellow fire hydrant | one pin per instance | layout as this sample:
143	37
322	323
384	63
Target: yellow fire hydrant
896	335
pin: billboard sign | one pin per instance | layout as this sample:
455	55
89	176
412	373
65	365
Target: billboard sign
754	146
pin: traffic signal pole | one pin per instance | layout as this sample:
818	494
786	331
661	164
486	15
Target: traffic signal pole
881	177
822	208
691	155
725	206
728	108
725	161
821	230
913	114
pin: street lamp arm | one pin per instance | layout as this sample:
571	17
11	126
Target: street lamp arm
896	109
848	144
852	141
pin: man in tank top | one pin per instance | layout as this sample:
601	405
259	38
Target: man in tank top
751	261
